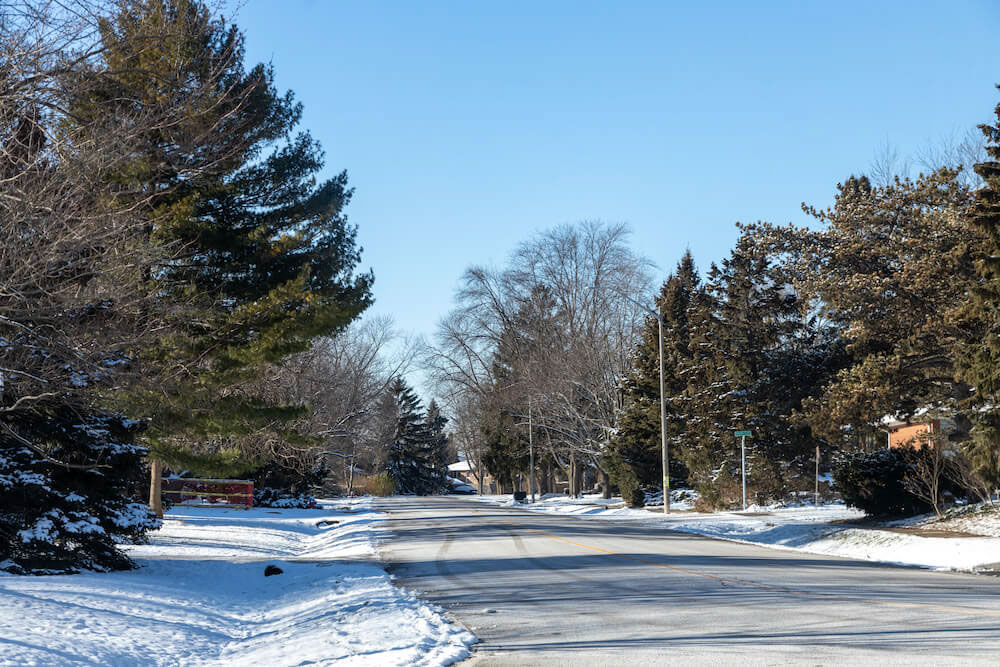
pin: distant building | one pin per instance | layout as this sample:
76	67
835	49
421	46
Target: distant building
915	432
463	470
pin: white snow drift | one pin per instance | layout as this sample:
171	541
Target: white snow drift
201	598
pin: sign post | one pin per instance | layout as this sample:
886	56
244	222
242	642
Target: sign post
817	476
742	435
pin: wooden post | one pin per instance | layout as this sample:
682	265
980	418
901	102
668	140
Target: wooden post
155	485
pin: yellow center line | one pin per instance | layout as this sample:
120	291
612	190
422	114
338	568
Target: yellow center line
763	587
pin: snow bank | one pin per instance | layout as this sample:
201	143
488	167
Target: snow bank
822	529
201	597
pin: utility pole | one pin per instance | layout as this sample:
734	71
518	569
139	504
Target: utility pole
742	435
663	421
531	453
664	450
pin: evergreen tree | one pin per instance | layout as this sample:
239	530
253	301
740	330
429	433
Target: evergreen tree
758	355
979	361
70	496
267	257
415	460
435	423
506	452
891	268
634	457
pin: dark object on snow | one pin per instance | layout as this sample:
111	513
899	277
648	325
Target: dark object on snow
519	496
272	569
326	522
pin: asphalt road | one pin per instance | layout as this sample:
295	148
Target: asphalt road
541	589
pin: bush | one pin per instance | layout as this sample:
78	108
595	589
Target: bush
288	480
874	482
57	519
267	497
383	485
636	498
626	480
722	492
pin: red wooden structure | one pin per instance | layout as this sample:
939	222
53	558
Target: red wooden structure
208	492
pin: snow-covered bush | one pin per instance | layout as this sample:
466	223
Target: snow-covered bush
67	501
267	497
277	485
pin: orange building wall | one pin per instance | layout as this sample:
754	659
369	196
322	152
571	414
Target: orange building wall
901	436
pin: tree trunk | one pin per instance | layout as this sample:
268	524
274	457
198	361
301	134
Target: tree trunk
573	481
605	483
155	487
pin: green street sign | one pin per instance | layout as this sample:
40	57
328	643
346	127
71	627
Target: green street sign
740	434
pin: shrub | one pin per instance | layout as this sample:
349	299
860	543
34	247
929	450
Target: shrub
636	497
626	480
723	492
59	519
874	482
383	485
267	497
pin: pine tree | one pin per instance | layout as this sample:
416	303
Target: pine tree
415	460
891	267
979	362
267	257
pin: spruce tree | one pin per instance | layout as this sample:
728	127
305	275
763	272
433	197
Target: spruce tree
758	354
69	497
634	457
414	460
438	446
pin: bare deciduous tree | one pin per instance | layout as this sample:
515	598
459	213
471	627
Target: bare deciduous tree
557	326
342	381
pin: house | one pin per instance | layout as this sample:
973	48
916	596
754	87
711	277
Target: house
917	432
463	470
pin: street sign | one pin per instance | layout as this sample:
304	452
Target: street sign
740	434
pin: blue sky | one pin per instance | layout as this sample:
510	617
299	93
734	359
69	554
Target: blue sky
466	127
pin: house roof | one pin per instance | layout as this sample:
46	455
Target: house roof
461	466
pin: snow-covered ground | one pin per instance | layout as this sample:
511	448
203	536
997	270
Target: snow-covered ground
201	597
968	542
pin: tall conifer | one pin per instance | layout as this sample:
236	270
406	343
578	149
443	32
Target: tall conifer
261	258
416	457
979	362
634	457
